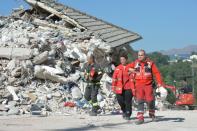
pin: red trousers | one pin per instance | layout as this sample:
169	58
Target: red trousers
144	92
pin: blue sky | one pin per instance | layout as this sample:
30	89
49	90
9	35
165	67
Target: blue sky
163	24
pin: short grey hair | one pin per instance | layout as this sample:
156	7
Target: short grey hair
141	50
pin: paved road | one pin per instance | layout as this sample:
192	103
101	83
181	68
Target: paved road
167	121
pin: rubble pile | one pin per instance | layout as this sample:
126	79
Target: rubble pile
40	70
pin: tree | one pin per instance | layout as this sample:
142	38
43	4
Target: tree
175	72
159	58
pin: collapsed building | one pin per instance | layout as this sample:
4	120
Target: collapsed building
42	50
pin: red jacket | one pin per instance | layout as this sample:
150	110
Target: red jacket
121	79
145	72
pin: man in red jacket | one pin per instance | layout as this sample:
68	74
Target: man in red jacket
144	70
122	85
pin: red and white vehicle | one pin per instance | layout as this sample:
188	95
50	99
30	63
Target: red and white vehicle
183	98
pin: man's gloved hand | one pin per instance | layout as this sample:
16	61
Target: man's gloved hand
163	92
86	76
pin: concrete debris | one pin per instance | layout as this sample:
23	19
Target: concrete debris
13	111
3	108
12	104
41	60
76	93
11	65
106	82
45	74
12	91
56	71
18	53
61	15
16	72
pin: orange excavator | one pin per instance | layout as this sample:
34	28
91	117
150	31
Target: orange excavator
184	97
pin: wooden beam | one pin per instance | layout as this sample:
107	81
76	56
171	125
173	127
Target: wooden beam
46	24
55	12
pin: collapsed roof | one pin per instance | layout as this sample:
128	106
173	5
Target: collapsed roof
113	35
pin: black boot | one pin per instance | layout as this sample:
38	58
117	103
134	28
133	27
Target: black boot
127	118
123	115
127	115
152	115
94	111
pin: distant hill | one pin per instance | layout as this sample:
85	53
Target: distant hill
186	50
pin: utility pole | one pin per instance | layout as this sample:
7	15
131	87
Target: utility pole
193	66
193	76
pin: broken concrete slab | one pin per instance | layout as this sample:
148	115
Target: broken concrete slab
106	83
12	103
15	53
76	54
2	79
57	70
42	73
16	72
11	65
13	111
41	58
11	80
76	93
3	113
3	108
12	91
56	94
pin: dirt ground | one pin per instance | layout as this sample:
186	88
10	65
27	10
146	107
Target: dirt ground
167	121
